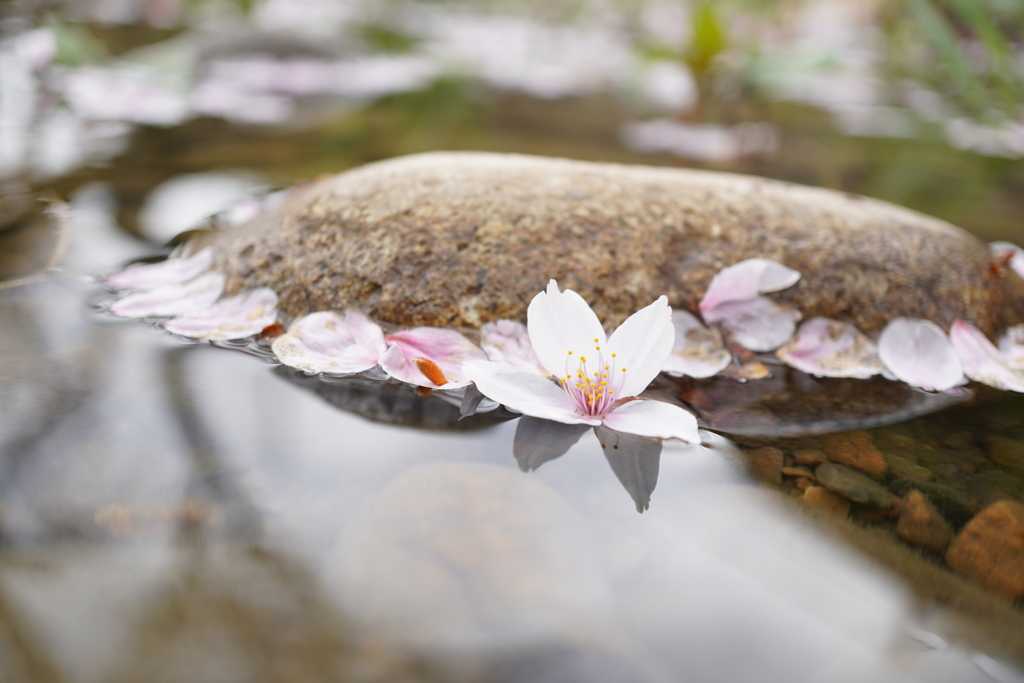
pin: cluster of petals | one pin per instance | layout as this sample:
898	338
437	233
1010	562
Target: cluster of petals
918	352
594	379
189	293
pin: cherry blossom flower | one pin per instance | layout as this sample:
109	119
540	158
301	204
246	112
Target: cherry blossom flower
596	377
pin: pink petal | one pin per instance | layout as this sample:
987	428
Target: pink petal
759	324
507	341
171	300
641	344
326	342
235	318
697	351
174	271
1013	255
653	419
829	348
982	361
919	353
525	392
562	324
745	280
446	349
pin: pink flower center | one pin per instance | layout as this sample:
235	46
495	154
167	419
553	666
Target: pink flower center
595	384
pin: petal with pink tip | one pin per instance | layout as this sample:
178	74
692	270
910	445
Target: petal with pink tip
171	300
759	324
328	342
507	341
447	349
173	271
982	361
641	345
698	351
745	280
234	318
1010	253
525	392
653	419
919	353
561	324
829	348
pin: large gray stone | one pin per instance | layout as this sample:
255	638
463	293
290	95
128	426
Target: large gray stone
463	238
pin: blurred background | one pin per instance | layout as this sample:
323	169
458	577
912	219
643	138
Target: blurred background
915	101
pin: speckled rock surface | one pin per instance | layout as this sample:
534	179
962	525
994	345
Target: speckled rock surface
463	238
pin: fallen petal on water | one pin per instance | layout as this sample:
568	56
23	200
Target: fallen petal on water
328	342
446	349
982	361
759	324
235	318
830	348
698	351
745	280
174	271
172	300
919	353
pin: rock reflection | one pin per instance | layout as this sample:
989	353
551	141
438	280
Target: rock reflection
791	403
392	403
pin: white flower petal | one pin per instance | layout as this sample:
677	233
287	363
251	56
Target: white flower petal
171	300
698	351
235	318
641	344
447	350
653	419
982	361
525	392
747	279
326	342
173	271
560	322
919	353
1011	253
759	324
829	348
507	341
1011	344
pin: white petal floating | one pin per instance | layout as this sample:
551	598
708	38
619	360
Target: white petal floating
829	348
759	324
562	324
174	271
745	280
1010	253
640	346
1011	344
171	300
525	392
429	357
919	353
982	361
328	342
698	351
653	419
234	318
507	341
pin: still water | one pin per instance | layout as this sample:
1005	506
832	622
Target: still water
183	512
